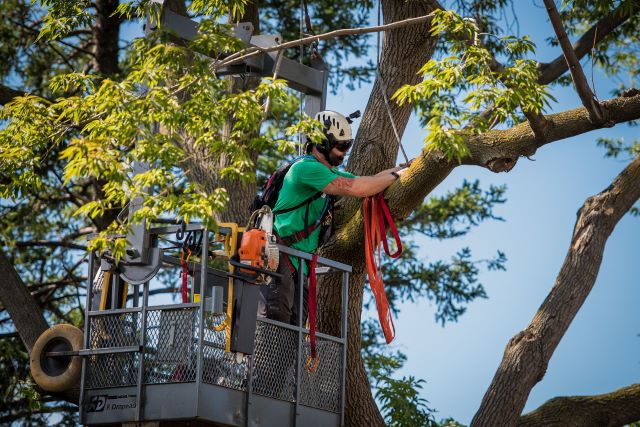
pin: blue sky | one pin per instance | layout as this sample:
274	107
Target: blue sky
600	351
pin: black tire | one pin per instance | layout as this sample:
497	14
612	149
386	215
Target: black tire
57	374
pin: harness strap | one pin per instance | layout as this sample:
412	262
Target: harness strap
313	360
376	218
306	232
299	205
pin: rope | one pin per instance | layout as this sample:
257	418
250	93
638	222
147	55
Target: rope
376	218
384	88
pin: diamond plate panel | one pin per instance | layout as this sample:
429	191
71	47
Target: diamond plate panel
112	370
275	357
219	367
171	346
321	389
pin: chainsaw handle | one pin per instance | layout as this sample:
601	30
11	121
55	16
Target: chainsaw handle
256	269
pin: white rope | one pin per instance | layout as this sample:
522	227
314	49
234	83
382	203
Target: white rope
301	55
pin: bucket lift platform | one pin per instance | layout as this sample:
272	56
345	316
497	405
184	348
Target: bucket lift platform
173	364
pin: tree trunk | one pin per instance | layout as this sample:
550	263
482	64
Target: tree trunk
527	355
25	313
404	51
241	193
615	409
106	37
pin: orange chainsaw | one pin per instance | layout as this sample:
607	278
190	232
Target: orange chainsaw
258	248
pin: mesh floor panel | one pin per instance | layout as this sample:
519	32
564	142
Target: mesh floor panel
171	354
108	331
171	350
321	389
218	366
112	370
274	361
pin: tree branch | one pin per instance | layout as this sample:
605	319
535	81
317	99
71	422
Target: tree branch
7	94
615	409
537	121
596	113
253	51
527	355
496	150
550	71
24	311
50	244
8	419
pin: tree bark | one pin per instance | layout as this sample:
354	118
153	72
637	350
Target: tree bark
106	32
25	313
615	409
404	51
527	355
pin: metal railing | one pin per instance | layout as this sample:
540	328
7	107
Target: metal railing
180	343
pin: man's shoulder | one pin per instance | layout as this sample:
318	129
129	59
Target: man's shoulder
307	163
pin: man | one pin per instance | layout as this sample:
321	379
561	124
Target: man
305	202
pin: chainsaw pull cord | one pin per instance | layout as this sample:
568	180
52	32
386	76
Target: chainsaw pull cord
313	360
376	218
184	263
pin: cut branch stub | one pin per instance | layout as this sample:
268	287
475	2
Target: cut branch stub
502	164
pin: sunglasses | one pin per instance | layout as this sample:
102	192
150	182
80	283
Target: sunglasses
343	145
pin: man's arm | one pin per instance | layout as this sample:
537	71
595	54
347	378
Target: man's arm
388	171
362	186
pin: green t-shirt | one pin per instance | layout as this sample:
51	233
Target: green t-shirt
305	178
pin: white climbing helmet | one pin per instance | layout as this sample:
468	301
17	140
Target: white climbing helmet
335	124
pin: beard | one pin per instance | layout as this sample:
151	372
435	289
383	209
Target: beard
336	160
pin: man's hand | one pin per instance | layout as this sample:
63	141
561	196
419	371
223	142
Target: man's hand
406	165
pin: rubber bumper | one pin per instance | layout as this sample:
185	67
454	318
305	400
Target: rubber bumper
57	374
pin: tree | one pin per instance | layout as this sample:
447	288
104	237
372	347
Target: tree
486	104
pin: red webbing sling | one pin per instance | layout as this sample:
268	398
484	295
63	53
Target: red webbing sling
376	219
184	263
312	361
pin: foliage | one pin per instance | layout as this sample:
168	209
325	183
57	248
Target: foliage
113	125
19	398
468	74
